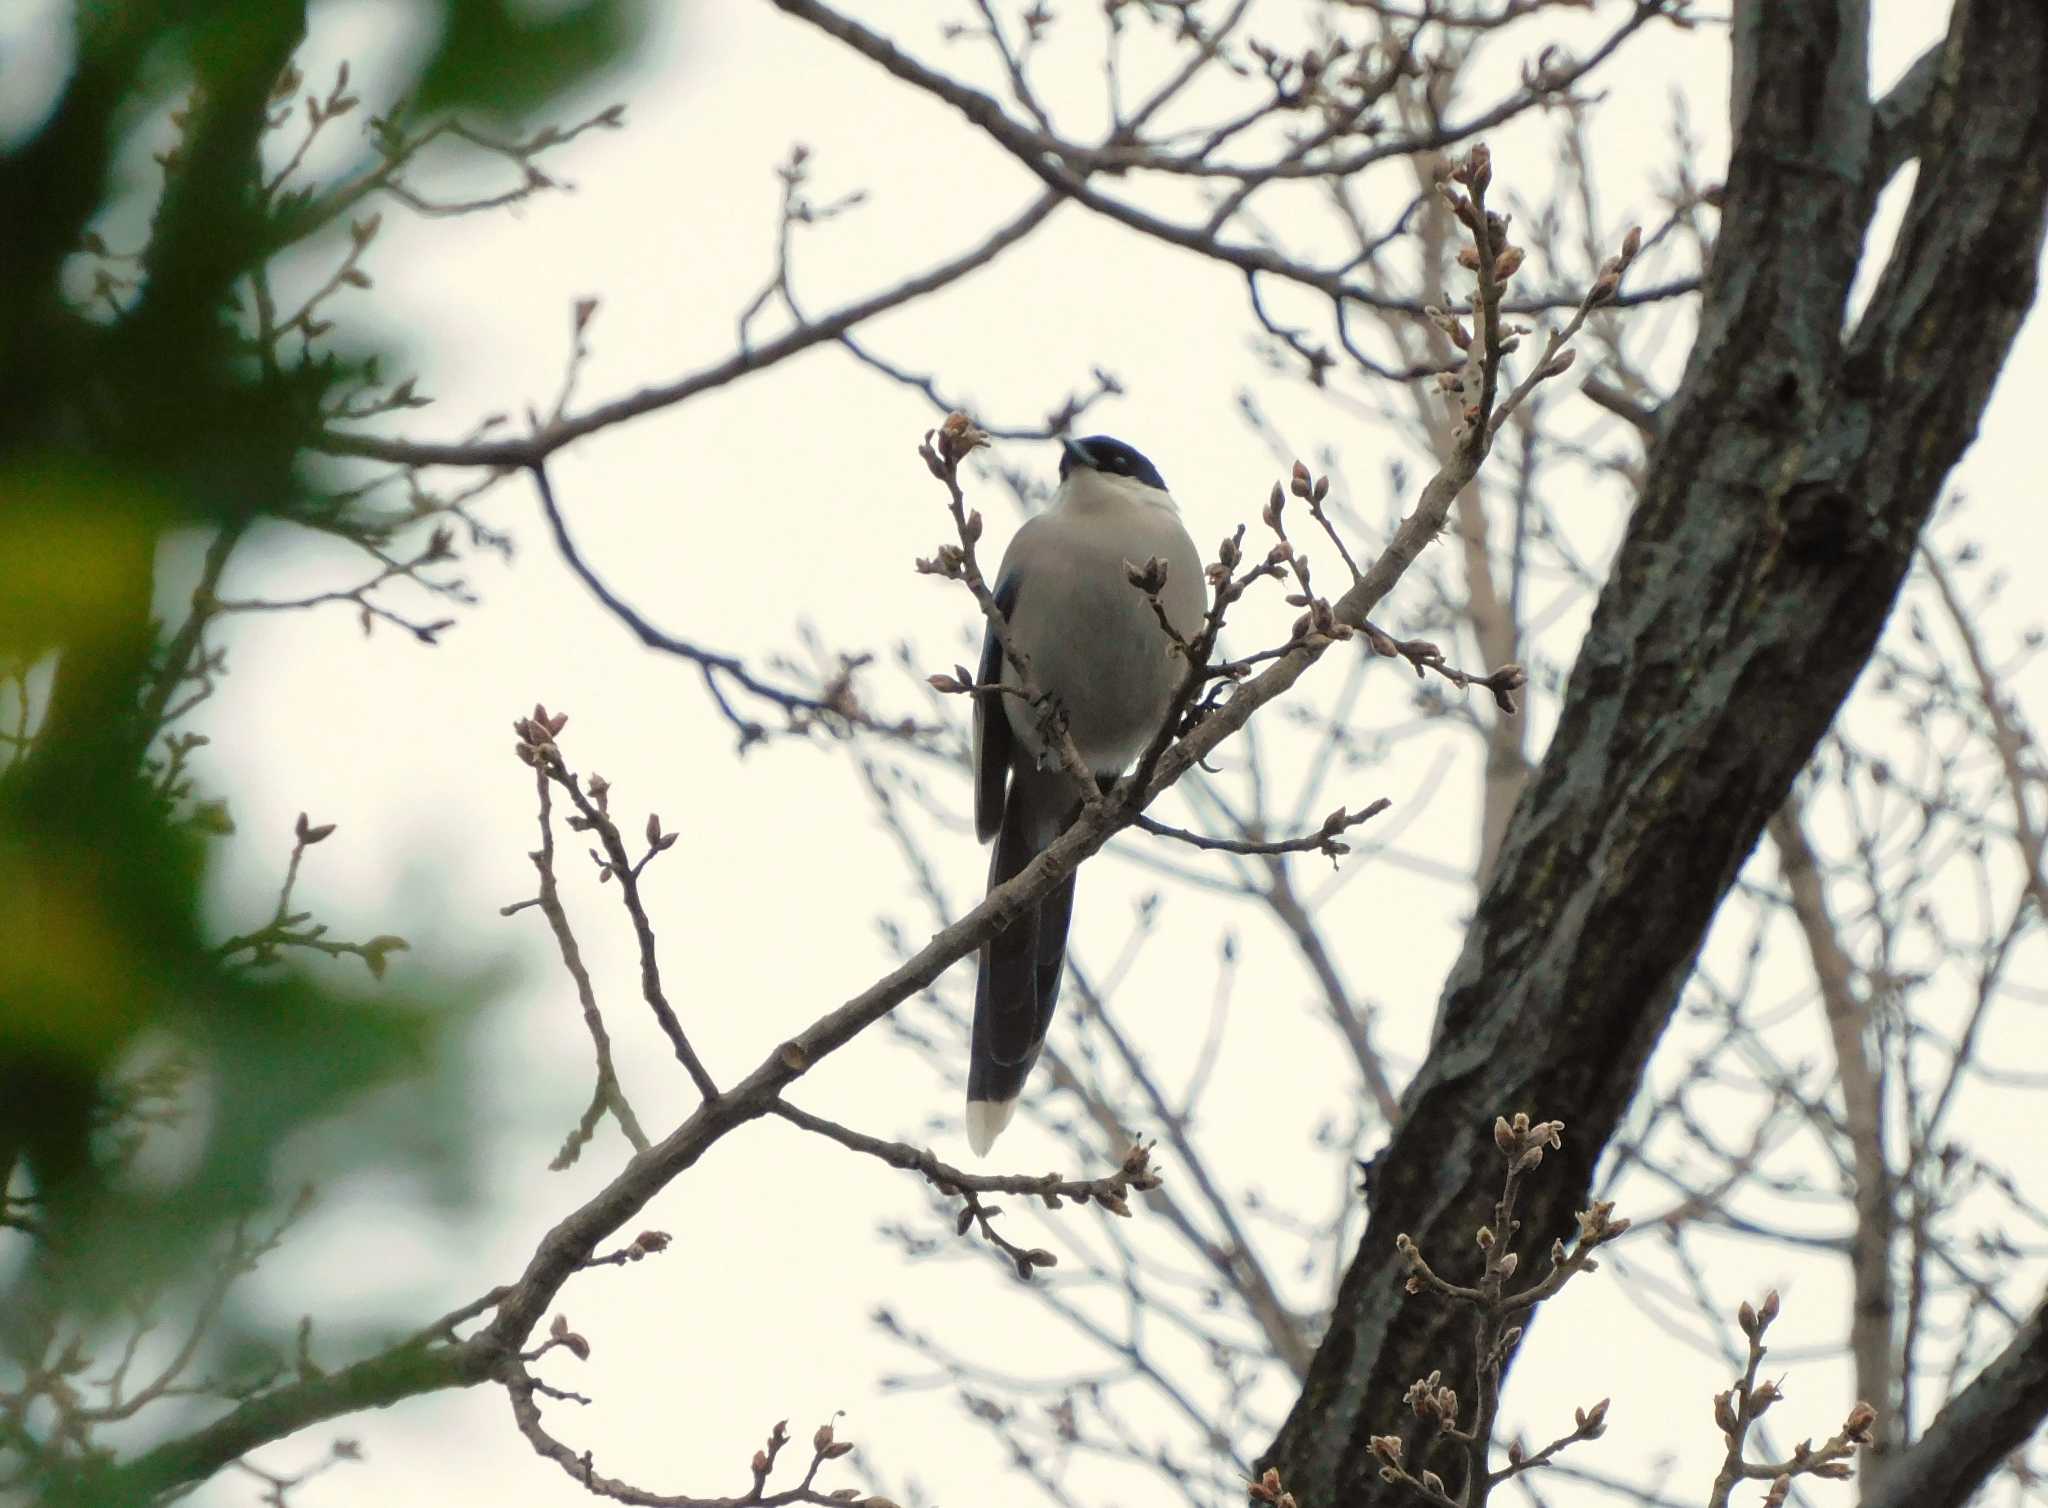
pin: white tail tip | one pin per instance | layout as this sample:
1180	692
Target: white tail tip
985	1122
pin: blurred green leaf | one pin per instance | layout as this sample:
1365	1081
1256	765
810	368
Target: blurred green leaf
509	55
79	539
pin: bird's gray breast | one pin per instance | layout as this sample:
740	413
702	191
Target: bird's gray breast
1093	640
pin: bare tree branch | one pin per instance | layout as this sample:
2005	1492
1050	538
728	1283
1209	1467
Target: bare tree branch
536	448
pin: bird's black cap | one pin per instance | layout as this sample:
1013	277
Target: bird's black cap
1102	453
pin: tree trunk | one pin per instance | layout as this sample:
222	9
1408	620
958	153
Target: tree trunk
1797	466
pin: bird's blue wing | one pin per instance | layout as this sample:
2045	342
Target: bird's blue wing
993	736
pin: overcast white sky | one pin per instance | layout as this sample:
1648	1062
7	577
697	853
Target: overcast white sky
797	497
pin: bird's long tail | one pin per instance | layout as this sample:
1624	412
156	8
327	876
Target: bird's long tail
1021	966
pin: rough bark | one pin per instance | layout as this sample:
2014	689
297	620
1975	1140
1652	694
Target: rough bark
1981	1426
1797	466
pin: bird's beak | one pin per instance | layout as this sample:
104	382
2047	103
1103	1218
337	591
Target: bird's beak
1076	451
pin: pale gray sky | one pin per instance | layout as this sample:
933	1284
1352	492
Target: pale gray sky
797	496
